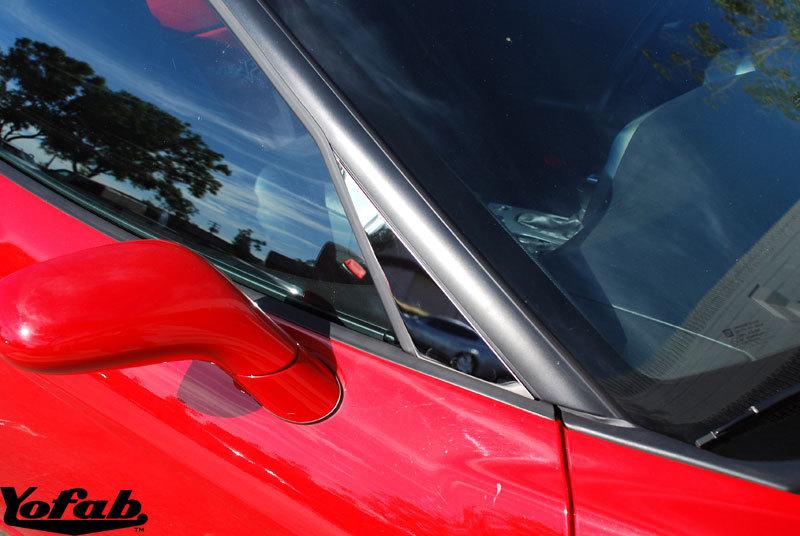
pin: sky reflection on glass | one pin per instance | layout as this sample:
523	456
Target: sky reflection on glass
219	91
154	109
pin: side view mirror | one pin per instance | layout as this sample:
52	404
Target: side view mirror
147	301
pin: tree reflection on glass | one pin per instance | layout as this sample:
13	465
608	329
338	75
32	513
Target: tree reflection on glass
244	242
770	30
87	130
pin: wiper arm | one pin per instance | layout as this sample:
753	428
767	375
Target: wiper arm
748	415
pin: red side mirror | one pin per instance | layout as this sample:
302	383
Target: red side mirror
147	301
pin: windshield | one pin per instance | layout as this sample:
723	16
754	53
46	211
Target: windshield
642	154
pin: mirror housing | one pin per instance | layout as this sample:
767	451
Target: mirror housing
148	301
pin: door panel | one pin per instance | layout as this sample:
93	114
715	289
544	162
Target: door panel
621	490
405	452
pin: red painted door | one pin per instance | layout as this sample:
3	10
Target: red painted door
405	452
622	490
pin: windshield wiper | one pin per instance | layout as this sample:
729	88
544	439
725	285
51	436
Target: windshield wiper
748	415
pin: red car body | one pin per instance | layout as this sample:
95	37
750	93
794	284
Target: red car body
405	453
386	448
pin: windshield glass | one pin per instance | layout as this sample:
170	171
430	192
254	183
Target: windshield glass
641	154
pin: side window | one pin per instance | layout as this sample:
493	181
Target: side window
439	331
151	113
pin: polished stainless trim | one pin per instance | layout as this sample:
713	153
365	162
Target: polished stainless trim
529	351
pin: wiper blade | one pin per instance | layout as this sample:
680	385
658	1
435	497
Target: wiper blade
748	415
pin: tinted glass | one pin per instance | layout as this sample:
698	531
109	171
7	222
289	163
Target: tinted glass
151	113
641	154
439	331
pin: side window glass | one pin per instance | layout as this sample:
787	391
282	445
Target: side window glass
152	114
439	331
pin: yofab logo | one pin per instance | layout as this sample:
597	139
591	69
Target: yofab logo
71	512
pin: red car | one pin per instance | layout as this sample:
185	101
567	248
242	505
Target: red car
357	267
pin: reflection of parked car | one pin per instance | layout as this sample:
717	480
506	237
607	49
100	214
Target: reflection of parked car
455	344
